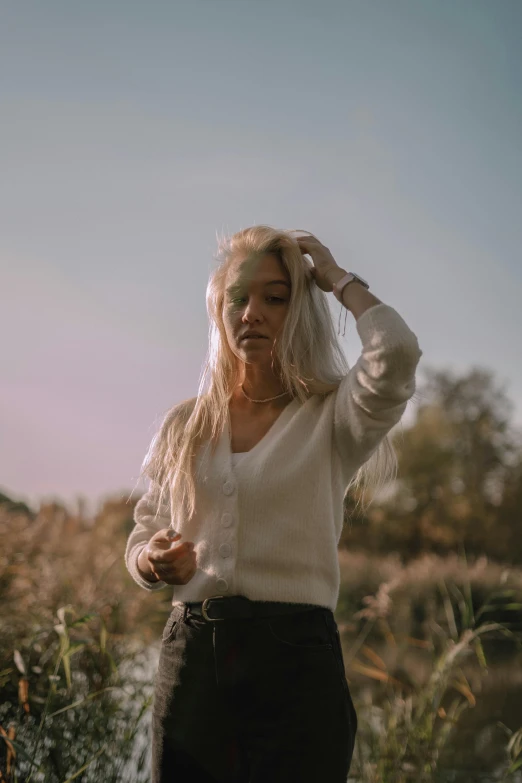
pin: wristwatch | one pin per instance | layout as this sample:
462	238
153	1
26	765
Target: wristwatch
350	277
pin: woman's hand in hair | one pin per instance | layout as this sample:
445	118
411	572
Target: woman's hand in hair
325	270
168	559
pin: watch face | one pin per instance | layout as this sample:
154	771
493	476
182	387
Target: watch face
360	279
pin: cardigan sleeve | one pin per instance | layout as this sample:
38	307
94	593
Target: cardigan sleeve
149	516
147	523
373	396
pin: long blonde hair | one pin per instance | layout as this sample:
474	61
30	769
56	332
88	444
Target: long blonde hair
309	357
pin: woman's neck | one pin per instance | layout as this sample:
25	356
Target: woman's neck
241	403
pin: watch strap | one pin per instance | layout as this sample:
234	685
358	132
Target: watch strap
350	277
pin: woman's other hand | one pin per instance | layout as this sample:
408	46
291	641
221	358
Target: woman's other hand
168	559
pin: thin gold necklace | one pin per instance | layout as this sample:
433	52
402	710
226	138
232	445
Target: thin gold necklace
267	400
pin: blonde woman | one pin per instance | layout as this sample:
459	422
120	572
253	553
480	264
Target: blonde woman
244	512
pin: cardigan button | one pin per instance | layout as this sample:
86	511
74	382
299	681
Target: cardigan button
228	487
226	519
224	550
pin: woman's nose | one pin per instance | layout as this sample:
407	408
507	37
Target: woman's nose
252	310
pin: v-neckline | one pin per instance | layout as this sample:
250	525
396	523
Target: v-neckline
275	427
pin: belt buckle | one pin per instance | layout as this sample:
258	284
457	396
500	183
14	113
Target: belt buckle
204	608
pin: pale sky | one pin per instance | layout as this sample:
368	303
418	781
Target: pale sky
132	132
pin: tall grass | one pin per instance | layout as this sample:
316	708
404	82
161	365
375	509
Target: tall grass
76	667
75	680
407	725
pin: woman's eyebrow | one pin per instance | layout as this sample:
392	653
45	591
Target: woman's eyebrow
238	286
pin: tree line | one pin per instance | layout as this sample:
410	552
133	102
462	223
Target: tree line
459	482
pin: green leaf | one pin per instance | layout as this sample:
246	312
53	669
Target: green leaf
87	698
479	651
67	668
84	619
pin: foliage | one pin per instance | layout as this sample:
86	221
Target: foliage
73	702
405	729
75	684
460	476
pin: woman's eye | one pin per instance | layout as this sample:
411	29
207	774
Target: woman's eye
274	298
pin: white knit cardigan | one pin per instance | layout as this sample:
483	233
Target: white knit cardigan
268	527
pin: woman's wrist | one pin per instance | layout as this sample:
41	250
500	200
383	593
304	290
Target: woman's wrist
335	274
354	296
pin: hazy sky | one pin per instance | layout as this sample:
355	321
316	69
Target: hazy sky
132	132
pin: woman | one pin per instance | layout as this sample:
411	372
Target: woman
252	475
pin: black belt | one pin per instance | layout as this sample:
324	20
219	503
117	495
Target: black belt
234	607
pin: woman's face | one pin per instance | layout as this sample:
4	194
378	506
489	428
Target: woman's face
257	297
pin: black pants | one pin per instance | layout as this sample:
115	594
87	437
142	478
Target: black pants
252	700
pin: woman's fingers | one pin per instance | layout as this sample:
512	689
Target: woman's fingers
170	555
172	560
166	536
179	571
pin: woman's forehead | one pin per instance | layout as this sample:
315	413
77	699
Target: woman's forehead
258	268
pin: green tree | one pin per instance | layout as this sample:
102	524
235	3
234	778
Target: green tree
460	473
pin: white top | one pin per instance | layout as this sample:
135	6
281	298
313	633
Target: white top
268	521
